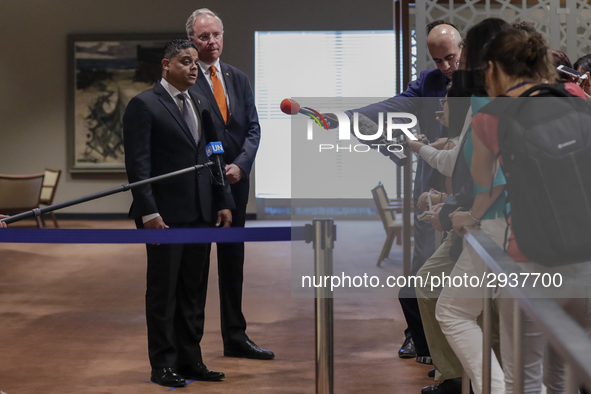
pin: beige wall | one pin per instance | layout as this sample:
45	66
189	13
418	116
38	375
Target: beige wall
33	66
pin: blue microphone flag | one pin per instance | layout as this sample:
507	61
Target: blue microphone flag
214	148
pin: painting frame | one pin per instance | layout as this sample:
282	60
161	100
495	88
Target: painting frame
103	75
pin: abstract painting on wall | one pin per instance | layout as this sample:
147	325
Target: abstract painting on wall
104	73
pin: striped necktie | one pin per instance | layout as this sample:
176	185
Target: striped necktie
189	117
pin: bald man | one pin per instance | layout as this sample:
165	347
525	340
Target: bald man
443	42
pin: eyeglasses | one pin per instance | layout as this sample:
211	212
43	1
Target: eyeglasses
442	101
206	37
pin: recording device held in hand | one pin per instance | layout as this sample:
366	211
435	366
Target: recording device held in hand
570	71
394	149
292	107
424	216
369	127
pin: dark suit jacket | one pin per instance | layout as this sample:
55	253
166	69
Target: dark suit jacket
421	98
157	141
241	135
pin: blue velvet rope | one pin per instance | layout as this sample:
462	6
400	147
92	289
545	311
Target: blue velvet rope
168	236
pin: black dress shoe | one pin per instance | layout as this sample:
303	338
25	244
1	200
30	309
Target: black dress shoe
200	372
408	349
248	349
167	377
450	386
431	373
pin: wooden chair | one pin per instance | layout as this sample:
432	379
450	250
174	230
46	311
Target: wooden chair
387	210
20	193
48	190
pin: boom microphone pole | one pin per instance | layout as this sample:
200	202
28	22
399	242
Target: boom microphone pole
123	188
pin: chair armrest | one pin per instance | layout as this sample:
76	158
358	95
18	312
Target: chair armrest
391	207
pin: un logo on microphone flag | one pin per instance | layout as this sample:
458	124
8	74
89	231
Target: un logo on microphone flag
214	147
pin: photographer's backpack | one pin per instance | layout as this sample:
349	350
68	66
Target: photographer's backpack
545	147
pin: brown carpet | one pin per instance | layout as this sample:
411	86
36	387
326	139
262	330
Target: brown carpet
72	320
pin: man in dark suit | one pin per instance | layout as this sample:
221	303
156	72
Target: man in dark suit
166	129
236	118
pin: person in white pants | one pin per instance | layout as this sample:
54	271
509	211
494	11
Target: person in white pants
459	307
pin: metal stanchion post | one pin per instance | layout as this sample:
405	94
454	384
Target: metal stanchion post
487	339
407	214
324	237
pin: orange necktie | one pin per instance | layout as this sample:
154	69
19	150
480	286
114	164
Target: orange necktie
218	92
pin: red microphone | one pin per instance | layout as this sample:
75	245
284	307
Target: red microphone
291	107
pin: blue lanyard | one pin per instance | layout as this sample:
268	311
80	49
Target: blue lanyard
518	86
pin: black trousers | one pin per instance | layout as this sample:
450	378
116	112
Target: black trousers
424	248
175	300
230	273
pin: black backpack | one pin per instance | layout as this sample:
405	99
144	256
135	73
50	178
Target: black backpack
545	146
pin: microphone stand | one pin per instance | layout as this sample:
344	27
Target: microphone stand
39	211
